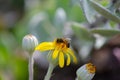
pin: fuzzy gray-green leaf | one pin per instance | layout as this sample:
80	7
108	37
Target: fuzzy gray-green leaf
106	32
81	32
105	12
89	12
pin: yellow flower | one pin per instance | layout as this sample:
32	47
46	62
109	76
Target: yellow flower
60	47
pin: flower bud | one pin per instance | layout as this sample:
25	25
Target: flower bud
29	43
86	72
60	17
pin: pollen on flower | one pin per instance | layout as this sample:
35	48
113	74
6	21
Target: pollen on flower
91	68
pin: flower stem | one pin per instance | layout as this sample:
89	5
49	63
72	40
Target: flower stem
49	72
76	79
30	66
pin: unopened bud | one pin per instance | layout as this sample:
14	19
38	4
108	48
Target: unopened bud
86	72
60	16
29	43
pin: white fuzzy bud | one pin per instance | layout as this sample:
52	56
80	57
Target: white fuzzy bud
86	72
29	43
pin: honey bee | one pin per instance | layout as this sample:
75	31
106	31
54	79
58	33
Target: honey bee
66	41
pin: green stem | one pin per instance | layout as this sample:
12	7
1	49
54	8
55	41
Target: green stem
30	66
49	72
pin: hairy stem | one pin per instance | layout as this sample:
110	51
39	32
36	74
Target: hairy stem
49	72
30	66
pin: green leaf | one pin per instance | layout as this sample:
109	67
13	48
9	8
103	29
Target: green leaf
81	32
89	12
105	12
106	32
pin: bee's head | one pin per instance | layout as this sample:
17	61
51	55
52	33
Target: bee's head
66	41
59	40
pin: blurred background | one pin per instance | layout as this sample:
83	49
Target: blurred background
48	19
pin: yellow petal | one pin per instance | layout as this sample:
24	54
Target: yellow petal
55	53
45	46
72	54
68	59
61	59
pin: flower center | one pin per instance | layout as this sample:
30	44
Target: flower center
91	68
61	46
